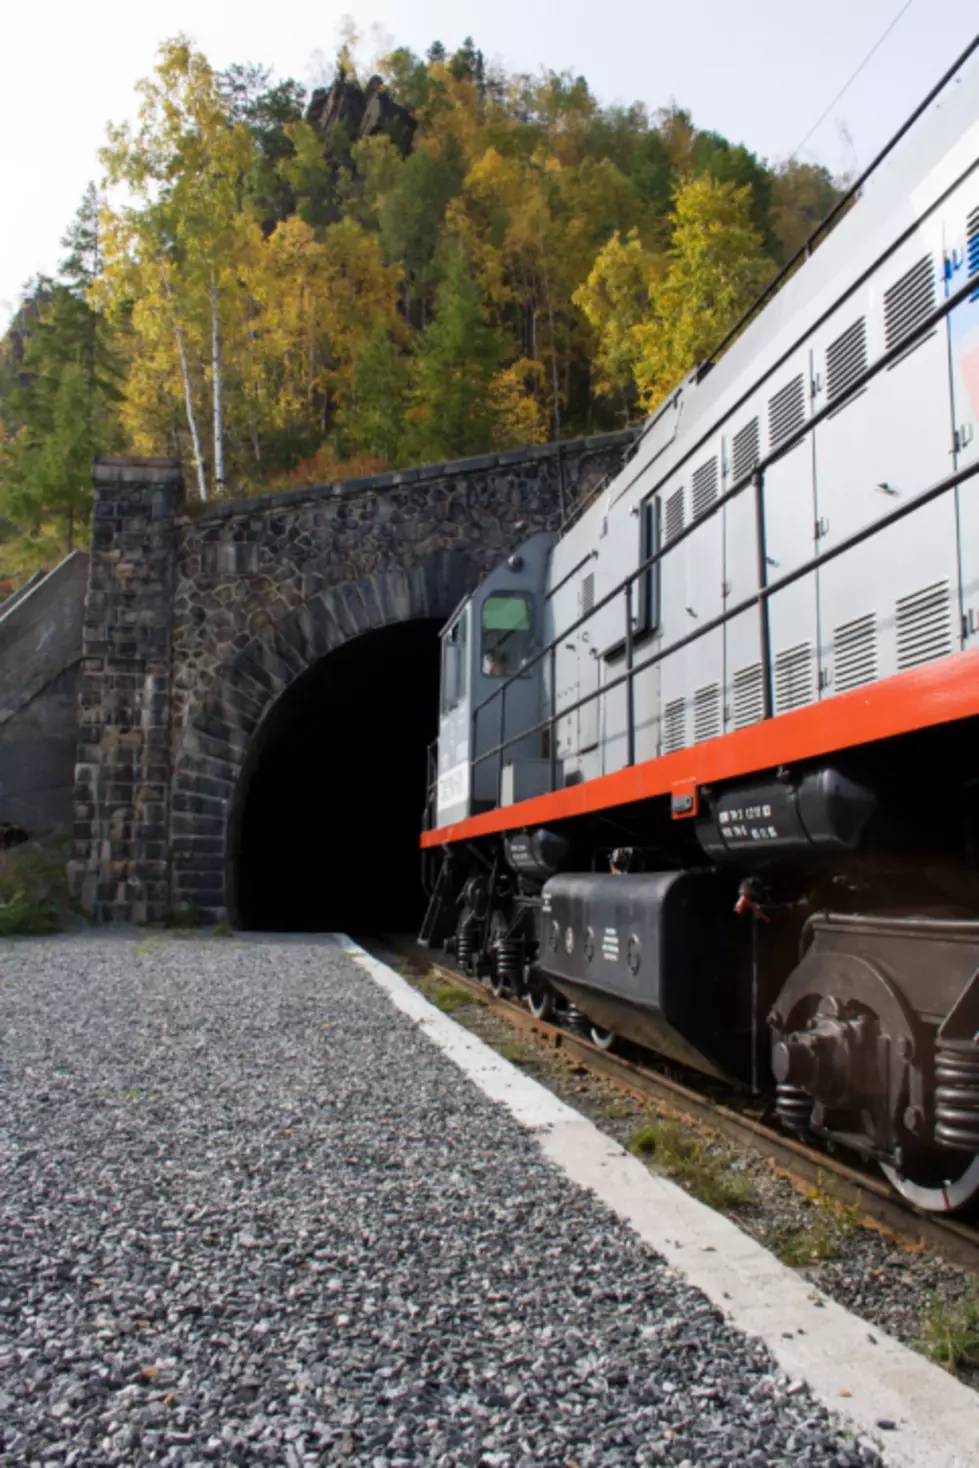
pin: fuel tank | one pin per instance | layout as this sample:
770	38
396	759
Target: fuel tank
659	957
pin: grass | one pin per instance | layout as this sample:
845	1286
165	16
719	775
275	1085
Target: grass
680	1154
821	1237
445	995
33	886
519	1054
950	1333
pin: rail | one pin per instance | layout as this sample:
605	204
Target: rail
758	599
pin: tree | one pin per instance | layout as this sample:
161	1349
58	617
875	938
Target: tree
64	400
617	299
187	165
715	267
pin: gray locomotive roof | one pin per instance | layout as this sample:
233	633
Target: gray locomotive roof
940	147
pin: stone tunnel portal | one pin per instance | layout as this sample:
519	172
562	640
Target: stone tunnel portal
324	835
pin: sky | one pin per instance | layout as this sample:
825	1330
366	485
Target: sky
761	72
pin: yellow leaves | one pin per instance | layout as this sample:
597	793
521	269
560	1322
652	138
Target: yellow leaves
657	317
517	414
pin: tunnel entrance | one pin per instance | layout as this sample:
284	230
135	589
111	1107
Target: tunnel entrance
325	835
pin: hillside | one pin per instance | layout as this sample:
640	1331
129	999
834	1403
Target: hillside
430	262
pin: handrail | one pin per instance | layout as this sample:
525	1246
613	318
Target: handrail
758	598
804	252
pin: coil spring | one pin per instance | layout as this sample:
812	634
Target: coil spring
507	963
465	946
957	1095
793	1106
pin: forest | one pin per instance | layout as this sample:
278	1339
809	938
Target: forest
435	260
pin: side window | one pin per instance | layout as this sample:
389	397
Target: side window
651	542
507	633
455	645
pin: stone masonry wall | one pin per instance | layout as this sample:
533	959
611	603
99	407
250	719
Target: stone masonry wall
199	620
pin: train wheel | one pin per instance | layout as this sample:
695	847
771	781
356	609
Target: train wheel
540	1002
936	1186
604	1039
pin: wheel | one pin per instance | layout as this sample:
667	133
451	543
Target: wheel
604	1039
497	985
540	1002
935	1185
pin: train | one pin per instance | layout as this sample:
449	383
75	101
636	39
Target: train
707	768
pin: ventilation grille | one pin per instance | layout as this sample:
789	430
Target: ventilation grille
674	514
908	302
588	592
707	713
744	450
786	412
855	652
748	688
704	487
924	625
794	681
674	725
972	244
846	359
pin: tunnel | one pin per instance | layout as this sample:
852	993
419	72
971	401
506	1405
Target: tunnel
325	833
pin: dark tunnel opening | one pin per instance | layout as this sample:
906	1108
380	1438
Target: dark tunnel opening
326	832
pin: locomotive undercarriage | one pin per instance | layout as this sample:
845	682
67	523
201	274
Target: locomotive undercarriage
836	976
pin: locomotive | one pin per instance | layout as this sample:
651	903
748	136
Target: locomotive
708	757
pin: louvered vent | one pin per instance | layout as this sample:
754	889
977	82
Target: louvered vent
674	514
794	680
972	244
748	688
846	359
704	487
786	412
924	625
909	301
707	713
744	450
674	725
588	592
855	652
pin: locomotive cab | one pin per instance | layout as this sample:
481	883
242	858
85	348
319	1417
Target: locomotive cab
491	694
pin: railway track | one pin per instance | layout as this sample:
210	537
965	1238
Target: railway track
805	1166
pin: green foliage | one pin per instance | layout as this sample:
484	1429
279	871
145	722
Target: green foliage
60	411
950	1333
263	300
444	995
33	887
680	1154
820	1238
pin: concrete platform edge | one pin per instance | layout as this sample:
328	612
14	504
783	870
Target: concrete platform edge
936	1416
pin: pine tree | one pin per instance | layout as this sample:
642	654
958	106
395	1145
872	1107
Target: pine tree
66	397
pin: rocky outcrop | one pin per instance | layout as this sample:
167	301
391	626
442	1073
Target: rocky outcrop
362	111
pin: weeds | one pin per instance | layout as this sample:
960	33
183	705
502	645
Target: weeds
519	1054
182	917
445	996
680	1155
221	930
33	887
822	1236
951	1332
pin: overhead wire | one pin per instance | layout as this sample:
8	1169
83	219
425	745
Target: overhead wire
848	84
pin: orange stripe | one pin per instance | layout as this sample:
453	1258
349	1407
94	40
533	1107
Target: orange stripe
918	699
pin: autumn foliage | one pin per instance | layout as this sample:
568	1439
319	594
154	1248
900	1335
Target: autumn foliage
277	306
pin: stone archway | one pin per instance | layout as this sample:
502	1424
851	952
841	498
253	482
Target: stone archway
212	757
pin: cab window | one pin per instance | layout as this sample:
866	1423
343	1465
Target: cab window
455	643
507	633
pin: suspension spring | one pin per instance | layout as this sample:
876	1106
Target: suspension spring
957	1095
507	966
793	1106
465	946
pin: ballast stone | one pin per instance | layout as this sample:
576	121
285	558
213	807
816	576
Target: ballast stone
424	1287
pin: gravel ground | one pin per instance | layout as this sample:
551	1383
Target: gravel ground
249	1215
873	1275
